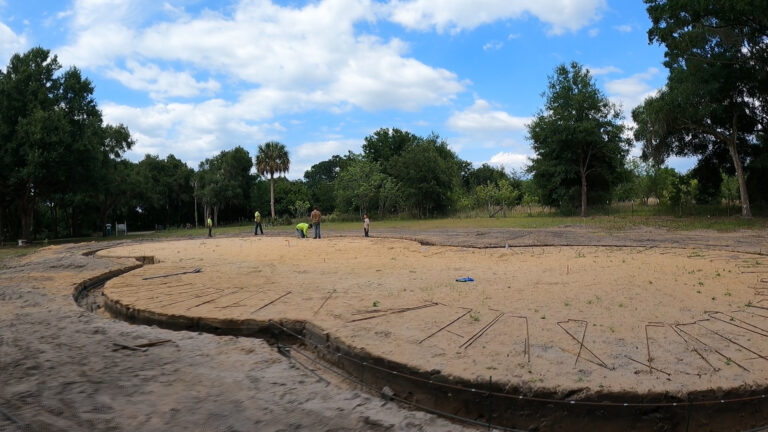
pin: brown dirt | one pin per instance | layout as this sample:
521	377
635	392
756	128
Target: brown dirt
639	276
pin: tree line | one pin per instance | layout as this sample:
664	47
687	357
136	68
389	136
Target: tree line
63	171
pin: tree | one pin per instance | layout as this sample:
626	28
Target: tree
385	144
358	186
429	174
717	88
272	158
113	172
577	136
319	180
53	140
225	182
729	188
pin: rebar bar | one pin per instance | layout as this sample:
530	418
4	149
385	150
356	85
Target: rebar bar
325	301
395	312
272	301
712	313
581	343
197	270
446	326
648	366
472	339
648	343
728	359
714	369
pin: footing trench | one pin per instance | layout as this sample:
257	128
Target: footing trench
481	401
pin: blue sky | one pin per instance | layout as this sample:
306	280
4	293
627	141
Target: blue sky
194	77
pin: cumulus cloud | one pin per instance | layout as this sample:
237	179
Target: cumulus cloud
631	91
481	118
313	49
191	131
458	15
322	150
595	71
275	59
161	83
509	160
493	46
10	44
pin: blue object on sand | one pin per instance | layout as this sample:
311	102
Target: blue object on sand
465	279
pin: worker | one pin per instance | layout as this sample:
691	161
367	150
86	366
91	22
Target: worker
302	228
209	224
316	215
257	221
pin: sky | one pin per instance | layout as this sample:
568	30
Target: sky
194	77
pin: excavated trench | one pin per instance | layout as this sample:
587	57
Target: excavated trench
479	402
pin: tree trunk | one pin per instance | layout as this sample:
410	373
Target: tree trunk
195	205
745	209
26	215
583	194
272	195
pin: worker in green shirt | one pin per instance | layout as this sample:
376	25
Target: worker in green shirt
257	223
301	229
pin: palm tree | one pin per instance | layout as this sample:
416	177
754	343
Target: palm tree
272	158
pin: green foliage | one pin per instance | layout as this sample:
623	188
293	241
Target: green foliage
224	182
272	158
358	187
319	180
718	61
578	140
54	145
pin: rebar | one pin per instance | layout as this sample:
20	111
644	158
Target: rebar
581	342
395	312
648	365
446	326
258	291
272	301
712	313
215	298
728	359
472	339
714	369
648	342
197	270
731	340
325	301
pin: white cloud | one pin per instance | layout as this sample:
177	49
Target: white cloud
10	44
192	132
593	32
481	118
632	91
284	50
275	60
493	46
161	84
595	71
322	150
509	160
623	28
458	15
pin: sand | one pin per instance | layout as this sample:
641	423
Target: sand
348	287
60	370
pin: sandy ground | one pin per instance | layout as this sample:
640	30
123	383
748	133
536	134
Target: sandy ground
348	286
60	371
